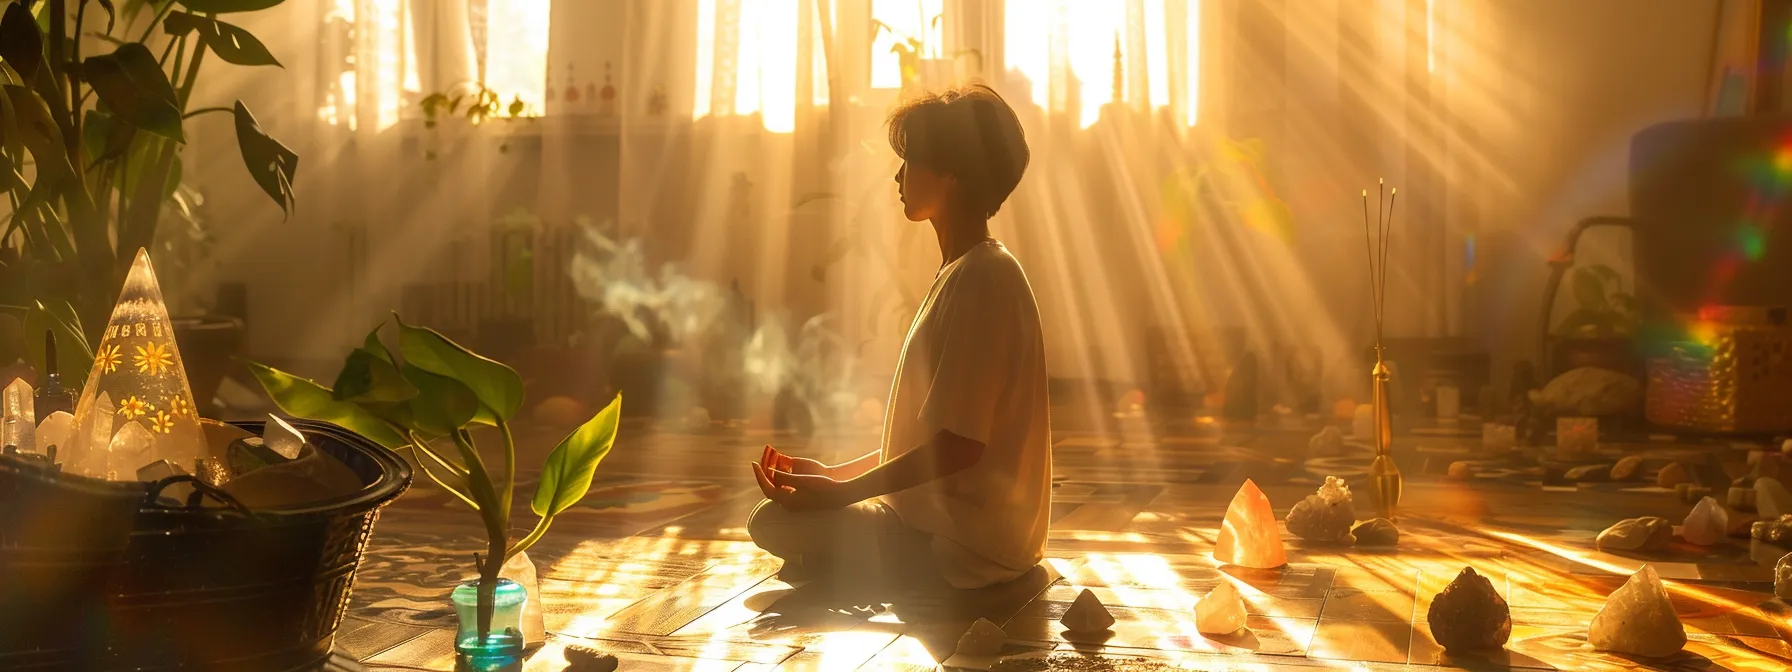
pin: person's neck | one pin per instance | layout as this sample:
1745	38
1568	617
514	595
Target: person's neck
958	234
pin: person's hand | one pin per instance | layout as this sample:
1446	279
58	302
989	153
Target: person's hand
802	492
773	460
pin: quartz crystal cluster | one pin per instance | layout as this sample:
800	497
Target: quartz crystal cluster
136	420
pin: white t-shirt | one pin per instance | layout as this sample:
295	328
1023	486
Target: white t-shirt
974	365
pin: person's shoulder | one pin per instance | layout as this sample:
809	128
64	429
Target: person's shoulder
992	259
991	265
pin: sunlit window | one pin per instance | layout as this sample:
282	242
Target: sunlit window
747	54
380	66
516	55
904	23
1053	43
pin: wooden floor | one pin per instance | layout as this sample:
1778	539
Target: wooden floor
654	565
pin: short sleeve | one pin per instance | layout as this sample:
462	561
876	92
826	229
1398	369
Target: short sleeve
972	334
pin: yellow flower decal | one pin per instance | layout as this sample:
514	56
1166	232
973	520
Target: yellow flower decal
153	359
179	407
132	408
163	422
109	358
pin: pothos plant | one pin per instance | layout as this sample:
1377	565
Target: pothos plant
433	392
1603	310
481	104
90	145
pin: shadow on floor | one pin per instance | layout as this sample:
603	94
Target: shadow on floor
936	616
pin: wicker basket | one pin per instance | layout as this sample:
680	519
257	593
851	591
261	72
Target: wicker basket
1738	382
118	581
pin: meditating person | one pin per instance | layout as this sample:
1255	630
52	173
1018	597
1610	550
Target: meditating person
960	490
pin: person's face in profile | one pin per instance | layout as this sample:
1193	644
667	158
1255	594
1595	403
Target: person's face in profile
924	192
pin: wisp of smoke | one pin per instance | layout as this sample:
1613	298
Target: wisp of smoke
756	355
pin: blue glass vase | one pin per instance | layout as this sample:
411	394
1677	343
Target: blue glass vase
505	640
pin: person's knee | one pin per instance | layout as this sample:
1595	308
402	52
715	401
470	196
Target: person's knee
768	526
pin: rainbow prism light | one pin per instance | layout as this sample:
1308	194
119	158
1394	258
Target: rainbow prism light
137	407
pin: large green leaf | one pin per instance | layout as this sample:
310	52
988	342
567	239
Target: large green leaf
442	405
228	6
133	85
366	378
38	132
498	387
21	45
231	43
566	476
306	399
269	162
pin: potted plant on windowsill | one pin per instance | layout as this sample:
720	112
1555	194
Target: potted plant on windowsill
433	392
102	135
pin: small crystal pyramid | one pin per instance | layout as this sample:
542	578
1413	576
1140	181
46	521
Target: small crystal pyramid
138	367
1087	614
982	639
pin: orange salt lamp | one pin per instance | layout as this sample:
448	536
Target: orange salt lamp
1248	536
137	379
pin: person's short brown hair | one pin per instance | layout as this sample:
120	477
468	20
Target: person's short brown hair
969	133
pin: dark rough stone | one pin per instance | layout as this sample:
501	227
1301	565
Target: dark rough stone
586	659
1377	532
1314	520
1469	615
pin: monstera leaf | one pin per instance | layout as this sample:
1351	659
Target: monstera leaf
228	6
231	43
269	162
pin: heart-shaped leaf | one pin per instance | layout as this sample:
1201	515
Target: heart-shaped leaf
442	405
303	398
269	162
566	476
37	132
133	85
21	45
365	378
231	43
228	6
498	387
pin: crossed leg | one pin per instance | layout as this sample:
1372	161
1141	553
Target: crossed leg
863	541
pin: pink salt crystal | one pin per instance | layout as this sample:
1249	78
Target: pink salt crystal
1248	536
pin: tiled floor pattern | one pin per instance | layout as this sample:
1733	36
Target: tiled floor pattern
655	567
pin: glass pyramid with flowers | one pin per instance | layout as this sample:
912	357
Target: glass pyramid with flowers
137	379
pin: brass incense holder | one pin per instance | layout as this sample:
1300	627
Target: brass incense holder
1385	482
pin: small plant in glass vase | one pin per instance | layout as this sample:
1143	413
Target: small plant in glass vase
1603	309
427	399
1599	331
